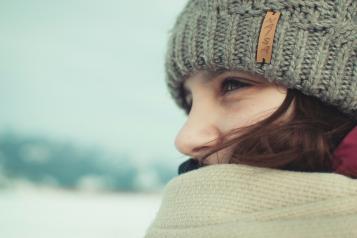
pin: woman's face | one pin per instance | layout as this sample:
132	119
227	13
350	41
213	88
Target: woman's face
221	102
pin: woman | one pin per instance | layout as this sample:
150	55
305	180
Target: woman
269	87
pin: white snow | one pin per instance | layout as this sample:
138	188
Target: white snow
45	213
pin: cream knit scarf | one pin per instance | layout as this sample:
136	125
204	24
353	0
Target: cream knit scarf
230	200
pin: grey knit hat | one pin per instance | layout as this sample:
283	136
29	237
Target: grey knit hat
314	48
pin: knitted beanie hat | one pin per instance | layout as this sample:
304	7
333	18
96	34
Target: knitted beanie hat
307	45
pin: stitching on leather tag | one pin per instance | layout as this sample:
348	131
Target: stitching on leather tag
266	37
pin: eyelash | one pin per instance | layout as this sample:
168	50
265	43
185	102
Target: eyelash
228	81
231	81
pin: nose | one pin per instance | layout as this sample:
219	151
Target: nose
198	136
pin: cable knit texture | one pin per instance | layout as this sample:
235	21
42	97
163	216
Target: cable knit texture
230	200
314	49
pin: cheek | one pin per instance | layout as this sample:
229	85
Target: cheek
235	118
236	113
253	108
265	104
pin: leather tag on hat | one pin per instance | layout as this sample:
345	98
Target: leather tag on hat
266	37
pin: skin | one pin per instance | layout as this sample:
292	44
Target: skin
219	106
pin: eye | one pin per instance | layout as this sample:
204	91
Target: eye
230	84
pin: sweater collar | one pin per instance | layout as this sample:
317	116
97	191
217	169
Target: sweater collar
345	155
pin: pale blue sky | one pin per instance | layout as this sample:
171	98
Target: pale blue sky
90	71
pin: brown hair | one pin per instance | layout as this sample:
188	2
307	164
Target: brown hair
305	142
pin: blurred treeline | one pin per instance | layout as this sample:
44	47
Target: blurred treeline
37	160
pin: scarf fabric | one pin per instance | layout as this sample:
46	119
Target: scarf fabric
233	200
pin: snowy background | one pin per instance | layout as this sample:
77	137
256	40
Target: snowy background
44	213
87	125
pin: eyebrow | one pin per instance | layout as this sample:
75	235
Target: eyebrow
210	76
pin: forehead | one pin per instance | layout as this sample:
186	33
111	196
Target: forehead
207	76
